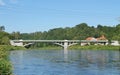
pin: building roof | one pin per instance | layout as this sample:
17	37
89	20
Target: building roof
100	38
91	38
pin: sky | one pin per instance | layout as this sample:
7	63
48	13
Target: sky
28	16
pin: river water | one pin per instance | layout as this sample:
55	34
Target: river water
71	62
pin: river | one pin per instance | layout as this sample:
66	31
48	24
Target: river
60	62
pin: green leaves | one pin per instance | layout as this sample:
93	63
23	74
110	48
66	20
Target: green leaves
4	38
2	28
5	65
78	32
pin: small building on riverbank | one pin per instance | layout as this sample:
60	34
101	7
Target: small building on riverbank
95	41
115	43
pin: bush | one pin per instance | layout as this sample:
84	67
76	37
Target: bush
5	65
95	47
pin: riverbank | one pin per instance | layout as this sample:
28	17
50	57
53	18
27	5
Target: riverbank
94	47
9	47
74	47
78	47
5	64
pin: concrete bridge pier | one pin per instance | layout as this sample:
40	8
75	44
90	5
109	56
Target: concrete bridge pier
65	45
65	48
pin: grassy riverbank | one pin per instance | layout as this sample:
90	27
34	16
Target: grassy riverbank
5	64
94	47
47	48
9	47
78	47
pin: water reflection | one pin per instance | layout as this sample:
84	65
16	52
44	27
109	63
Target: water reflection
65	55
119	53
66	62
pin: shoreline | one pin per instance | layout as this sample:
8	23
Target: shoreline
6	67
5	64
78	47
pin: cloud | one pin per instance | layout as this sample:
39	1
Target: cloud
2	3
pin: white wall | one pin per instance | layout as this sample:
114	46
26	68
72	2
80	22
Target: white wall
115	43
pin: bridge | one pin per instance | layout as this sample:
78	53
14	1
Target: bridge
64	43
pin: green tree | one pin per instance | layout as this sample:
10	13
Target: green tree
16	35
2	28
78	32
5	40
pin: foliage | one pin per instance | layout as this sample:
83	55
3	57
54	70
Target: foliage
80	31
5	65
4	37
15	35
94	47
5	40
2	28
10	48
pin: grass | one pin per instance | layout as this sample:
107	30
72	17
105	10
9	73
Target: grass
9	47
95	47
47	48
78	47
5	64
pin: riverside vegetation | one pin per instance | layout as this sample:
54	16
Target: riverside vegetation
5	64
94	47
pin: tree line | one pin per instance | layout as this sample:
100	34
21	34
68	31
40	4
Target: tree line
78	32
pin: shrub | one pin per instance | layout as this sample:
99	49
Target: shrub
5	65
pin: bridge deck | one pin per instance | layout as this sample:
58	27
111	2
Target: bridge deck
77	41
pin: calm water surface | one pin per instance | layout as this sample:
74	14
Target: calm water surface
71	62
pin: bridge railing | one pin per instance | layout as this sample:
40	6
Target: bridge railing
77	41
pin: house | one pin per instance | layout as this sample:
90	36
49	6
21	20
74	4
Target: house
115	43
94	39
91	39
101	38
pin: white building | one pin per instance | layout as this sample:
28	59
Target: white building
115	43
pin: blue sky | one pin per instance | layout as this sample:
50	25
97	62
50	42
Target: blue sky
42	15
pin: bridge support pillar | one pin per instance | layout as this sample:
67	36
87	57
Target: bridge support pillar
65	45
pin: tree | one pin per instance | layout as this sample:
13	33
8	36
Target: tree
79	32
5	40
16	35
2	28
